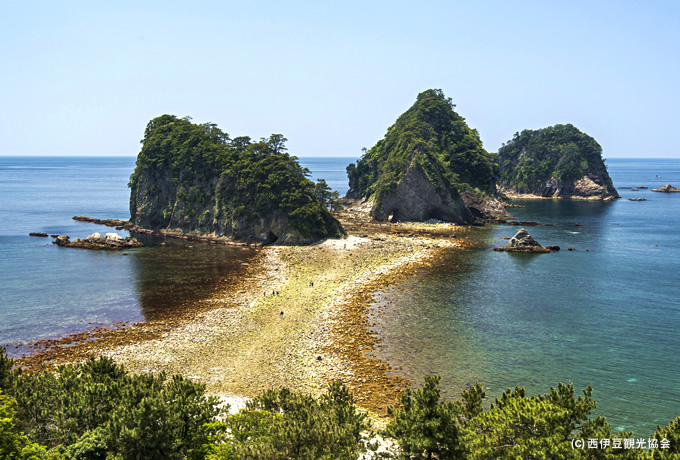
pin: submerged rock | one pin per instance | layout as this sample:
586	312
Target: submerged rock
524	223
40	234
668	188
523	242
97	241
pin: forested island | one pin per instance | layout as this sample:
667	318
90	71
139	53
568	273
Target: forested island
430	164
195	178
555	162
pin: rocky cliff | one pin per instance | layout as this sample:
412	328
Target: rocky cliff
555	162
195	179
430	164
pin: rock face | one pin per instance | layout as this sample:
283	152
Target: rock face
555	162
429	165
668	188
111	241
194	179
523	242
416	199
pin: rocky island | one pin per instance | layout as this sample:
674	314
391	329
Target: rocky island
111	241
194	179
430	164
523	242
555	162
668	188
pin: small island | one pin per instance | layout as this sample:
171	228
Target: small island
555	162
429	165
523	242
195	179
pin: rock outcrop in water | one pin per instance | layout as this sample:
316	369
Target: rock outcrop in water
523	242
668	188
430	164
111	241
555	162
194	179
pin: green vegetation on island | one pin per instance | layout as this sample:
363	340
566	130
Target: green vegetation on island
558	161
97	410
424	164
194	177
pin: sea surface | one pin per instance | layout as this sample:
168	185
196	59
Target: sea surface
605	314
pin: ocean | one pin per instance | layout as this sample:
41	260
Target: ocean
605	314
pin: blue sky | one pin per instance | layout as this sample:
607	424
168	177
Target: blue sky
84	78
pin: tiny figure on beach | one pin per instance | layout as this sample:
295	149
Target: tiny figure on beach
273	292
281	314
311	284
277	292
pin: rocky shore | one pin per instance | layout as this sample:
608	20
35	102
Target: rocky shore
296	317
112	241
668	188
120	224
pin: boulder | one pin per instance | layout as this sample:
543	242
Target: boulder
523	242
668	188
40	234
96	238
114	237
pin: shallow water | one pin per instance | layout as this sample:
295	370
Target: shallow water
605	314
47	291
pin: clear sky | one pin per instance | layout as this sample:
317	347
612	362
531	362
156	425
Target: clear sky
84	77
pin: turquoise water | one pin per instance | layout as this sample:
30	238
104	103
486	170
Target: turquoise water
605	314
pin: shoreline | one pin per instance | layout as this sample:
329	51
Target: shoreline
529	196
237	342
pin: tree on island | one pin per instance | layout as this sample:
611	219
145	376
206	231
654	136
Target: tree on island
196	178
554	161
426	163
